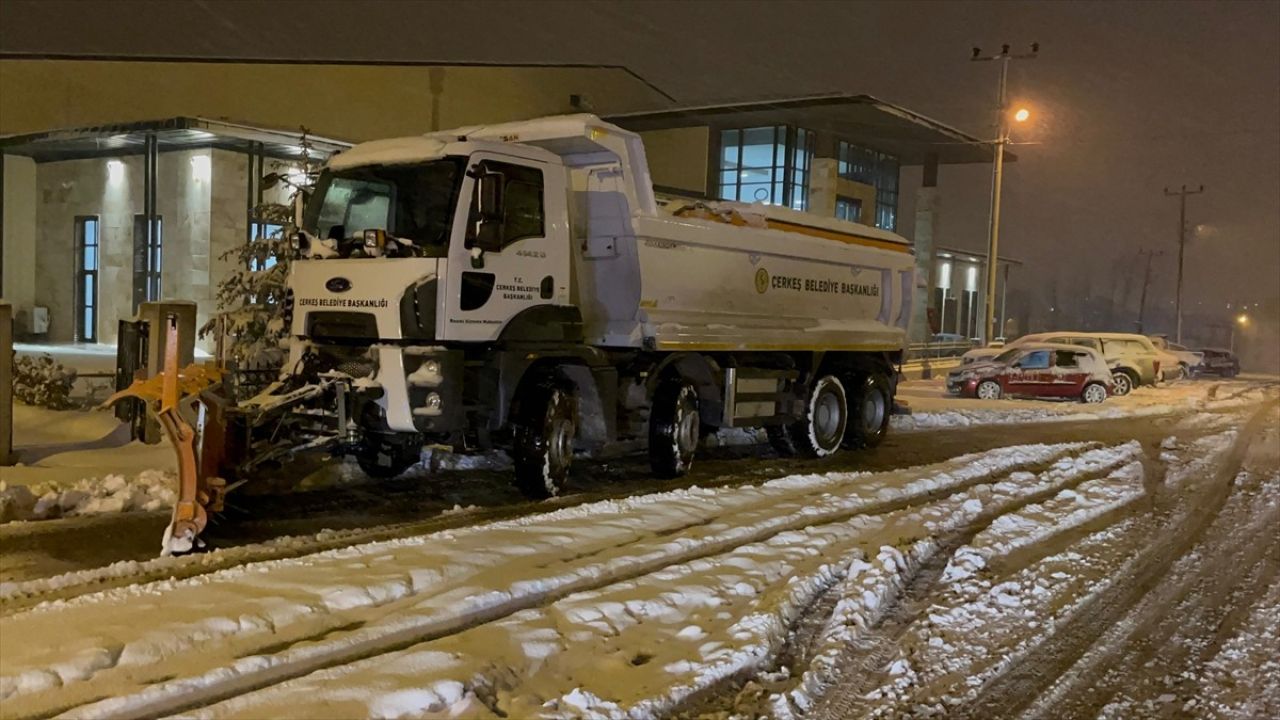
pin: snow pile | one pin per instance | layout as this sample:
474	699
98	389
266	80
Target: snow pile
149	491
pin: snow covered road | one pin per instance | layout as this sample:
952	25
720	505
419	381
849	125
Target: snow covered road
934	590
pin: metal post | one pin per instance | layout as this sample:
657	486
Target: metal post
1182	242
1004	300
1142	300
6	384
997	179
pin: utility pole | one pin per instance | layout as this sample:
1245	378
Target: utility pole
1182	240
1146	281
997	174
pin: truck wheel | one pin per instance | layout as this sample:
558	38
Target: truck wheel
674	426
383	456
869	419
544	427
826	415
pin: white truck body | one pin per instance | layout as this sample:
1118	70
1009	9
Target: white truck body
616	281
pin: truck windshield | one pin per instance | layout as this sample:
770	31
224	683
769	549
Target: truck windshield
412	202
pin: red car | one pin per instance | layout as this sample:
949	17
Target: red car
1036	370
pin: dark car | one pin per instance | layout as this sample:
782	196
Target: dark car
1219	362
1036	370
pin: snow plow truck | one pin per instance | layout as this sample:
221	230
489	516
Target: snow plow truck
522	286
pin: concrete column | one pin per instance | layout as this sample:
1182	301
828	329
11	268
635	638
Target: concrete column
822	187
6	383
923	240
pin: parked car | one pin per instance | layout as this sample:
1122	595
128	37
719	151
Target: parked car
1036	369
1132	358
1220	362
1188	361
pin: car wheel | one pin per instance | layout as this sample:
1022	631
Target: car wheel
1093	394
989	390
674	426
545	426
1123	383
826	416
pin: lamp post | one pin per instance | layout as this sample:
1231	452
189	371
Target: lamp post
1182	241
1242	321
997	173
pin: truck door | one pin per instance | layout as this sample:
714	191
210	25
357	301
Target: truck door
513	254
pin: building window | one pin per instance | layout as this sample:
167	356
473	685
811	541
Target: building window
770	165
87	244
261	234
147	260
886	192
855	163
877	169
848	208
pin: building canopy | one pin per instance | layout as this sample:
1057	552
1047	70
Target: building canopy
179	133
861	119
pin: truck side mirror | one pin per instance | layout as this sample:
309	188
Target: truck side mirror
487	210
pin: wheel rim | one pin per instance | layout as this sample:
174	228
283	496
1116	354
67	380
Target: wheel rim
827	419
988	391
873	410
1094	394
1123	386
560	433
687	427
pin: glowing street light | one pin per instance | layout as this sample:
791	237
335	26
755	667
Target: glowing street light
1022	115
1242	319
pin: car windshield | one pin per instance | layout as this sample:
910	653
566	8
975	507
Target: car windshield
1008	356
413	202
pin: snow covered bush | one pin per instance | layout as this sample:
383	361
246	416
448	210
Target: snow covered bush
43	382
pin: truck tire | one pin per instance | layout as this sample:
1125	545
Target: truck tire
674	428
545	424
871	406
826	417
383	456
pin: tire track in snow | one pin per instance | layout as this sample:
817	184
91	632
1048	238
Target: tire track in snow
864	664
261	671
1032	674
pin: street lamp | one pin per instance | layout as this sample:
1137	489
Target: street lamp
997	174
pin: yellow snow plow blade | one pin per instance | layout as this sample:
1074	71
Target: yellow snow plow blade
164	394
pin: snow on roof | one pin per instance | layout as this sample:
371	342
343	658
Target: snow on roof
392	151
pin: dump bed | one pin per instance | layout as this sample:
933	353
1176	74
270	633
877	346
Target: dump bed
727	276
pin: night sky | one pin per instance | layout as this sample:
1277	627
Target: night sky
1127	99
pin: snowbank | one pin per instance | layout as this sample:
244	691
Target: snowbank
148	491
